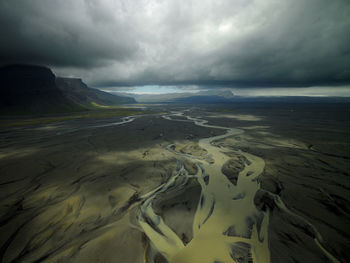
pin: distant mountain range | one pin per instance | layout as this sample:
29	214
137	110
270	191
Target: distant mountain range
202	99
249	100
28	89
222	96
206	96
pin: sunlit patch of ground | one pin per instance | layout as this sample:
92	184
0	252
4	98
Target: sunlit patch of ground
143	154
262	137
17	153
109	112
48	127
237	117
254	127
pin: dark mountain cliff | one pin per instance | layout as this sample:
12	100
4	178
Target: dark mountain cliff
31	89
28	89
77	91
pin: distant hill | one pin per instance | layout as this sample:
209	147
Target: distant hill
250	100
224	93
28	89
202	100
204	95
76	90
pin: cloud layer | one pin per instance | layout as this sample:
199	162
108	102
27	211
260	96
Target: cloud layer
200	42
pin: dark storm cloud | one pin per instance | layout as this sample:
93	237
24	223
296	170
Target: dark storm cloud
199	42
62	33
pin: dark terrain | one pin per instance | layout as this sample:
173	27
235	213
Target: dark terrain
71	190
28	89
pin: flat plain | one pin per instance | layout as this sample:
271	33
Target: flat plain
236	183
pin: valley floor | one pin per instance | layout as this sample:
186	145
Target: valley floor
135	189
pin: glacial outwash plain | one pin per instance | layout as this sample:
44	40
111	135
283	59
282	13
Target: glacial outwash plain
179	183
166	131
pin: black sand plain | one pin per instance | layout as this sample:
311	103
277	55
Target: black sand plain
71	191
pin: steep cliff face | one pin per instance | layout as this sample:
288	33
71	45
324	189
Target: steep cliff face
31	89
27	89
79	92
25	79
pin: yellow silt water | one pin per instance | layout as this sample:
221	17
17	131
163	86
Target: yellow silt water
226	221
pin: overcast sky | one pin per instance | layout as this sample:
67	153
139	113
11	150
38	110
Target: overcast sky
231	43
